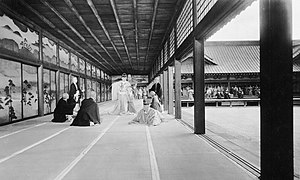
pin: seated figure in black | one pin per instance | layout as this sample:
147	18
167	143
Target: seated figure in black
88	113
62	108
226	94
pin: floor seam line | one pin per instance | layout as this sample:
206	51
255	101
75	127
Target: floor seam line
31	146
153	162
63	173
37	125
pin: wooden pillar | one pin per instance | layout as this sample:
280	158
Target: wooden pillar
170	90
40	79
193	84
100	86
57	74
199	104
57	54
57	78
70	81
228	81
161	78
177	65
276	90
106	92
165	90
40	91
85	81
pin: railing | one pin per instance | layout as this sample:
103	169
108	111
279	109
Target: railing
231	102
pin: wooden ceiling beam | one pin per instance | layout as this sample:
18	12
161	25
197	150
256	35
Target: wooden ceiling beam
113	5
63	19
178	7
151	30
92	6
49	23
135	17
71	6
80	36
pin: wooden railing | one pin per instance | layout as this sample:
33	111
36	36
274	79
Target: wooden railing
231	102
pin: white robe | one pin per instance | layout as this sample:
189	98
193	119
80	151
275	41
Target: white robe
120	96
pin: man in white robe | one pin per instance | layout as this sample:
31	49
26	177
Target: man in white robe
147	115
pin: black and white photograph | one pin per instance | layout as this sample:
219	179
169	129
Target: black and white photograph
149	90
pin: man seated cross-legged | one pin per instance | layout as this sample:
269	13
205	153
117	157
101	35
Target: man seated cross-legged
88	113
62	109
147	115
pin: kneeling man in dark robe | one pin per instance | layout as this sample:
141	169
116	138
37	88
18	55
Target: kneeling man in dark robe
88	113
61	109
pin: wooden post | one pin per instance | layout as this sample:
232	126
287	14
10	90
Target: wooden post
69	61
165	90
40	91
57	79
57	54
161	78
106	95
177	89
199	105
101	95
85	82
70	81
276	90
40	79
170	90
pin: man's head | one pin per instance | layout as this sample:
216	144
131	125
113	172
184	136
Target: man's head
74	80
152	93
124	77
146	103
65	96
129	77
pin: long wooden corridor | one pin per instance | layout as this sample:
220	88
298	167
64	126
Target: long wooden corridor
40	149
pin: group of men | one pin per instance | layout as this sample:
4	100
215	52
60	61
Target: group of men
88	113
67	107
152	108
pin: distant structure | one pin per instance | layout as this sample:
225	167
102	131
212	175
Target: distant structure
234	63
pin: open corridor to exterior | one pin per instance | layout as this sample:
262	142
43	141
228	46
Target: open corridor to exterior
238	130
77	60
40	149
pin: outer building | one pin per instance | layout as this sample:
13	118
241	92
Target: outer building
235	63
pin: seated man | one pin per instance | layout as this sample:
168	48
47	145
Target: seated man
62	109
147	115
88	113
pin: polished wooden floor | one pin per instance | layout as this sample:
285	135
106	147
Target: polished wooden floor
39	149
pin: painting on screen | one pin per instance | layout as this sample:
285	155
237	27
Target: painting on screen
49	50
10	91
18	38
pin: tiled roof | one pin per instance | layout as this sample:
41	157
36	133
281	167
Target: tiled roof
234	57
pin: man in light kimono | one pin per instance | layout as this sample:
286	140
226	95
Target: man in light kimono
147	115
120	89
